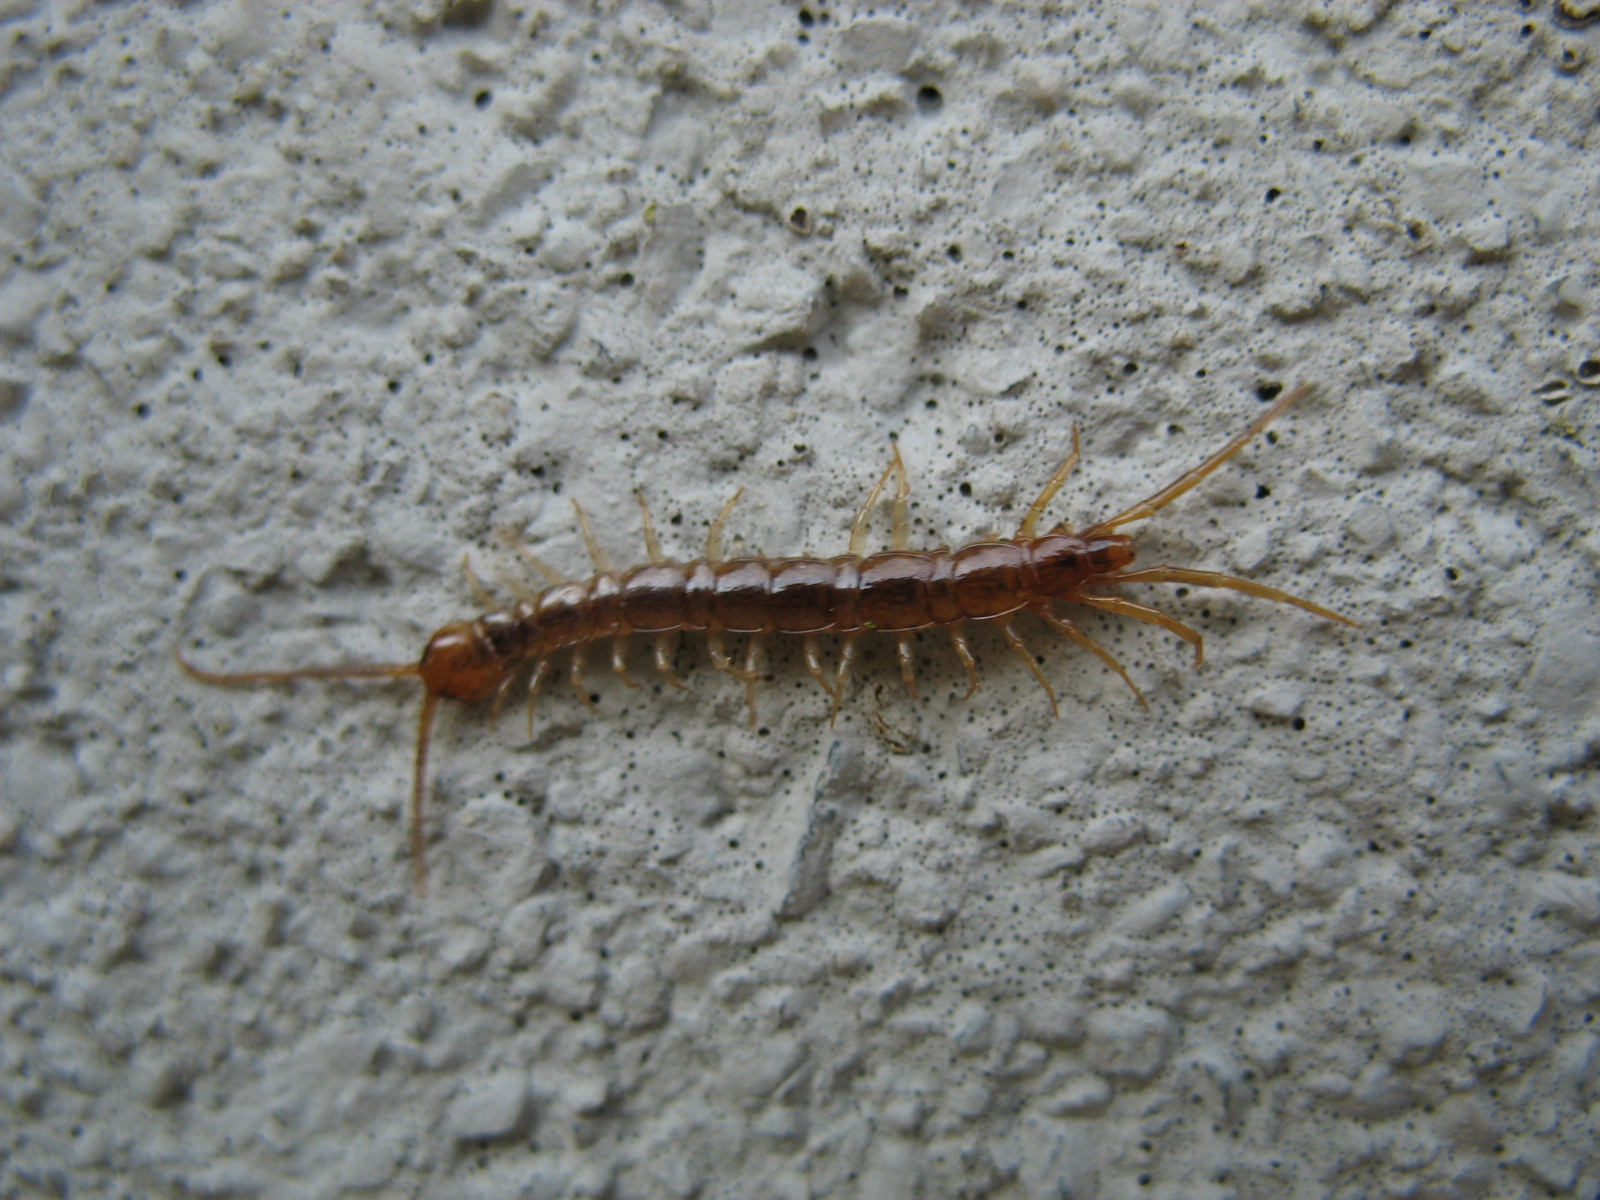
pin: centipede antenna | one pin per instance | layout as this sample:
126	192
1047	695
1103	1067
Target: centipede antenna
1190	479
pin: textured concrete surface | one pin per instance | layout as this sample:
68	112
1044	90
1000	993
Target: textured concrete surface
300	303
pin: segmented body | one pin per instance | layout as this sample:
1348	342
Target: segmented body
899	592
896	591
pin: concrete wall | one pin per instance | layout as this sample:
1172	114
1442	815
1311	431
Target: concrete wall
302	302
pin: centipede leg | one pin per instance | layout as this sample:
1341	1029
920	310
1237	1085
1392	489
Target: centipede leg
1068	630
482	595
749	675
1191	479
619	660
548	573
714	534
602	561
580	659
847	658
901	509
480	592
499	703
1036	509
813	653
663	657
1124	607
541	668
752	676
858	527
652	544
718	653
1023	653
902	650
964	653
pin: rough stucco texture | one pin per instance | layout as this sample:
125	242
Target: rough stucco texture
300	303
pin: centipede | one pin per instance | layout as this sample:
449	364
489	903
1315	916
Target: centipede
898	592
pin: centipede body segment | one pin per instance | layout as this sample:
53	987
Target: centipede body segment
899	592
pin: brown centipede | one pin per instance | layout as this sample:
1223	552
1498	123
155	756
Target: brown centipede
898	591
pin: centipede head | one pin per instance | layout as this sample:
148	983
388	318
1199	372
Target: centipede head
1064	562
